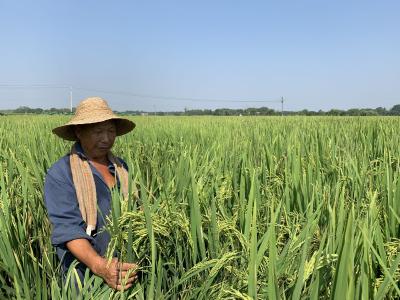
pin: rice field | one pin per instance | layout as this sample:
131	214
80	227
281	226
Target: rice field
220	208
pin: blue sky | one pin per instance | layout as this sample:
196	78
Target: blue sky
316	54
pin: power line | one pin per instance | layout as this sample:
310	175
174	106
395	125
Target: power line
32	86
170	97
132	94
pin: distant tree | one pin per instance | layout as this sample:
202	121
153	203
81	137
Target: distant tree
223	112
312	113
395	110
23	110
335	112
368	112
251	111
381	111
303	112
53	110
353	112
37	110
265	111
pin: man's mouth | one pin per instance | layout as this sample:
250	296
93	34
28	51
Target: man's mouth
104	148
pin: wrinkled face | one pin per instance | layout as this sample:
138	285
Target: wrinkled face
97	139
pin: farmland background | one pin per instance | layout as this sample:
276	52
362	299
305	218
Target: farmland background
230	208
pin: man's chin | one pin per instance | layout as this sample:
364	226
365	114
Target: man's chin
103	151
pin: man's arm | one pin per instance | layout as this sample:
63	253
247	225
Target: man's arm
113	273
65	216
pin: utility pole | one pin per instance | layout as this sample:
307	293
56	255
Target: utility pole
282	105
70	98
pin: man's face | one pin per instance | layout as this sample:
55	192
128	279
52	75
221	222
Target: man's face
97	139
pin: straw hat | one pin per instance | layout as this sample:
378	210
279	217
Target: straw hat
89	111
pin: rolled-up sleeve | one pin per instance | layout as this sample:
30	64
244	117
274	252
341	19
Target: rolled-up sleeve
63	211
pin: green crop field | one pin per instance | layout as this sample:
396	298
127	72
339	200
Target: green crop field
228	208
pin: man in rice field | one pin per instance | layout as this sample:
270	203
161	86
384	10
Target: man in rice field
78	192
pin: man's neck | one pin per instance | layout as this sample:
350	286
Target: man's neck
103	160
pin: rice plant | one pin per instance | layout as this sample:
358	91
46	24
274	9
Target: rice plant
220	208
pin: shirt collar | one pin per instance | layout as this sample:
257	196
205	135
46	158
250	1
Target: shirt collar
79	150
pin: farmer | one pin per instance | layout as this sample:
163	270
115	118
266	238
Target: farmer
78	192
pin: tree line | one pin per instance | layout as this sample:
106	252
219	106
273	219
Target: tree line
252	111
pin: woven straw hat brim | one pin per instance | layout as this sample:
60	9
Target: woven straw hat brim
66	132
89	111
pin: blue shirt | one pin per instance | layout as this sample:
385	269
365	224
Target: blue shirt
64	214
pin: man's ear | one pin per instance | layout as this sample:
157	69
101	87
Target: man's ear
78	131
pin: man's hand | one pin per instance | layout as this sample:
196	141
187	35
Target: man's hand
117	275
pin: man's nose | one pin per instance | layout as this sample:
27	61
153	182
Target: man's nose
105	137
